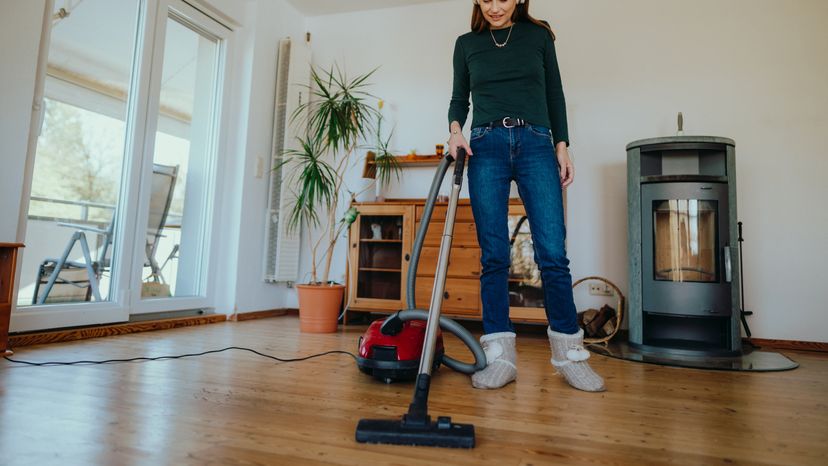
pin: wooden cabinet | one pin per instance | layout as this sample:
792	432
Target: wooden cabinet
461	298
463	262
379	255
8	266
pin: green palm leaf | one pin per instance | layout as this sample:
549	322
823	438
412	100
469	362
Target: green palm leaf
315	178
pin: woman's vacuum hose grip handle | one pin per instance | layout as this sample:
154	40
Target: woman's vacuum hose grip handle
459	164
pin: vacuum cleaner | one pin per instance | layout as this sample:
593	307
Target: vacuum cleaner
386	349
393	354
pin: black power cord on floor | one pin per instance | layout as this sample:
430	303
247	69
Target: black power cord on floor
158	358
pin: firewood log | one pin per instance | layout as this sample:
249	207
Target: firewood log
584	318
594	327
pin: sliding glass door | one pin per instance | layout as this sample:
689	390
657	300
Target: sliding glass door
177	214
123	182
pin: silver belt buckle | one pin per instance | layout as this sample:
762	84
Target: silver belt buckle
506	125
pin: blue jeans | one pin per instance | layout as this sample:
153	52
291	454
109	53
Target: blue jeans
527	156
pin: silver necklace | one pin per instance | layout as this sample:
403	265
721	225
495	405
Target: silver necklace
500	46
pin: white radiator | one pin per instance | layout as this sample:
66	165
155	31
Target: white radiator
292	79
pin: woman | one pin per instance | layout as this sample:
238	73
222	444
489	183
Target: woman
508	64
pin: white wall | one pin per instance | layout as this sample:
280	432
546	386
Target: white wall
268	22
751	70
20	26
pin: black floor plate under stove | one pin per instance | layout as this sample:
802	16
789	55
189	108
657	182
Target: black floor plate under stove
751	359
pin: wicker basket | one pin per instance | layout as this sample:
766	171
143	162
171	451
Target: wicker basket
619	308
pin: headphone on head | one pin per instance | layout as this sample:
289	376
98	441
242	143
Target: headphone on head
519	2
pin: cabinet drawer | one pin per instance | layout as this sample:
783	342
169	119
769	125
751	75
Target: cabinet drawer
528	314
463	262
465	234
464	213
517	209
462	296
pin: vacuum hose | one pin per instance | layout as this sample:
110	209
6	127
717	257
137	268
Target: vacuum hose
412	313
421	232
450	326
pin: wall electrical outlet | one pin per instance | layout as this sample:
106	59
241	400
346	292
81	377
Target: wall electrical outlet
600	289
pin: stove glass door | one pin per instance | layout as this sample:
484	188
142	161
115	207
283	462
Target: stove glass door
685	240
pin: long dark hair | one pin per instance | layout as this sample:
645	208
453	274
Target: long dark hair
479	23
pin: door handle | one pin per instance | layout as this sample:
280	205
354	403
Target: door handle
727	265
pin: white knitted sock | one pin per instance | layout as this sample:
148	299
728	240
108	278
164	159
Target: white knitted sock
570	358
500	361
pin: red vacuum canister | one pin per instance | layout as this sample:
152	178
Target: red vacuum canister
393	353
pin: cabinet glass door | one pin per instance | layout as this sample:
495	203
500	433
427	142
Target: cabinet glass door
380	261
525	287
379	257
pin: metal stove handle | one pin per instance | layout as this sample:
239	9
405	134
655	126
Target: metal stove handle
727	266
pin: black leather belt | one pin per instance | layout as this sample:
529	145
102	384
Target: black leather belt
508	122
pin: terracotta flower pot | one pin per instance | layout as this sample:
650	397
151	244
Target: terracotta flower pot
319	307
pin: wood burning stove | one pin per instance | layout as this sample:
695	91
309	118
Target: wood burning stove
682	242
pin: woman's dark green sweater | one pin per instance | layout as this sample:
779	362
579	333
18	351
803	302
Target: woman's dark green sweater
520	80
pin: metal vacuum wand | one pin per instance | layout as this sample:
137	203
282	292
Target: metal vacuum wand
416	427
439	288
417	410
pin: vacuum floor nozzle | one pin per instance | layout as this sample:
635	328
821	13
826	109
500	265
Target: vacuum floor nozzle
442	433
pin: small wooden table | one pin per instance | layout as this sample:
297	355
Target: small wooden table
8	267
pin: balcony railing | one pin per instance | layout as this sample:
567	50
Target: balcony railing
46	238
83	208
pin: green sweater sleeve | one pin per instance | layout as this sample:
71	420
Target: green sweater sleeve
459	105
555	101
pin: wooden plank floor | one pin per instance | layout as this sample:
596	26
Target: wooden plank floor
237	408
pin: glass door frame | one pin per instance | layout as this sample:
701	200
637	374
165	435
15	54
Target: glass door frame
199	22
116	308
128	252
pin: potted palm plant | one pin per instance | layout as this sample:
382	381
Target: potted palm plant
337	121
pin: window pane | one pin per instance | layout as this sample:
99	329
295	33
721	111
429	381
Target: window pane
176	244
